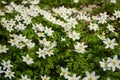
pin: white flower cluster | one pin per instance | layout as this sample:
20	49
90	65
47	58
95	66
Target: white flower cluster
6	69
22	20
110	63
40	30
47	49
108	42
63	12
21	41
26	77
82	15
89	76
8	24
31	1
66	73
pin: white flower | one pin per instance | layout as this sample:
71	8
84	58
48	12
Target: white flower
9	9
111	28
91	76
14	41
76	1
27	20
102	37
103	18
20	27
104	65
27	59
30	44
93	26
113	1
24	2
74	35
80	47
62	39
18	17
104	15
3	2
117	14
20	45
72	22
52	44
45	77
48	31
2	13
95	18
41	53
20	38
45	42
49	52
24	77
110	43
41	34
34	1
3	49
9	74
38	27
64	72
6	64
114	63
11	22
108	79
74	77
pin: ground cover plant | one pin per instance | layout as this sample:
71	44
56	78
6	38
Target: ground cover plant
59	40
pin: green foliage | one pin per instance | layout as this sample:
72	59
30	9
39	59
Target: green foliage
64	56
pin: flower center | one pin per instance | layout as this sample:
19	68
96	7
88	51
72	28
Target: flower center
114	62
90	78
9	73
110	43
28	58
1	48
